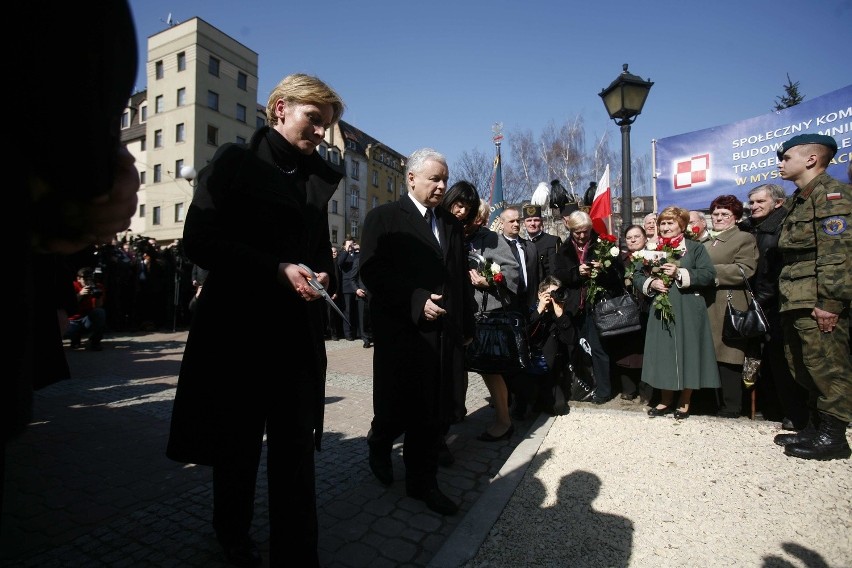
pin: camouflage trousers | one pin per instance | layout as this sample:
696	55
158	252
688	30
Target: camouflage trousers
820	362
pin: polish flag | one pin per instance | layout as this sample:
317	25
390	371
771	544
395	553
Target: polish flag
601	211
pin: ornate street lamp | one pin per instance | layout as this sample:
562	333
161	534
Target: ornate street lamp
624	99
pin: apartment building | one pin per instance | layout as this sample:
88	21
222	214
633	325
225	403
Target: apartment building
202	93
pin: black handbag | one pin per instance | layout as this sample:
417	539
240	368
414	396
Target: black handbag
746	324
499	343
616	316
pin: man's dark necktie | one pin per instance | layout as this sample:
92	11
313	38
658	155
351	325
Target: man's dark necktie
514	244
428	217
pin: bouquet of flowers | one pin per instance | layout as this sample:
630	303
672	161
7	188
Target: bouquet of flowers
693	233
651	261
604	251
486	268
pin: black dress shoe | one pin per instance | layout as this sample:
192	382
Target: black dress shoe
681	415
599	400
486	437
626	396
434	499
381	467
652	412
368	344
243	553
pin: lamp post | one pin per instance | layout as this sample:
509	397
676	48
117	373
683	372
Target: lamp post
624	99
188	173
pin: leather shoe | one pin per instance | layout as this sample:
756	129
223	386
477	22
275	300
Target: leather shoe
681	415
599	399
243	553
381	467
434	499
486	437
654	411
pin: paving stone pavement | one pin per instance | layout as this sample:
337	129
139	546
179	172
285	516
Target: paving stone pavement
88	484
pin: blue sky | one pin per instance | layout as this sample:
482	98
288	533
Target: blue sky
441	73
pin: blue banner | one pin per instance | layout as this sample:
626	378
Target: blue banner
693	169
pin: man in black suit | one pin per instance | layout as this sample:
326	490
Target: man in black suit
348	260
546	243
526	253
414	263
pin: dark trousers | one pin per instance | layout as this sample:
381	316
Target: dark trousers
364	320
350	329
781	396
291	485
732	391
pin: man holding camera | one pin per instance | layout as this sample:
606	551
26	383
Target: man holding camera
90	314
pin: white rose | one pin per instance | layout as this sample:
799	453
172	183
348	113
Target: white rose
614	251
495	268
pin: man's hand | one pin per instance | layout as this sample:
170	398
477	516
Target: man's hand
432	311
826	321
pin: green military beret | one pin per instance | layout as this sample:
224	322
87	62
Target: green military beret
808	139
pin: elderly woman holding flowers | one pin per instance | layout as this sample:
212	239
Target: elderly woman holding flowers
587	266
679	356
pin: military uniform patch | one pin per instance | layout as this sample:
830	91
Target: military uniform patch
833	226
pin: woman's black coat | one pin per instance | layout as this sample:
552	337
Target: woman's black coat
254	346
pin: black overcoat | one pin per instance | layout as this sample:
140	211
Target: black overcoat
416	361
254	346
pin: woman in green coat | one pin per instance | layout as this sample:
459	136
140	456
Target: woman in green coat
679	354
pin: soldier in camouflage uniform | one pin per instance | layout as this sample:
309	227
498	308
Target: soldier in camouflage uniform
815	289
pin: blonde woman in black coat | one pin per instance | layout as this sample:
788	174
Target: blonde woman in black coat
259	211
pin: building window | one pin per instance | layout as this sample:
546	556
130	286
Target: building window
181	58
334	206
178	168
334	235
241	112
125	119
637	206
141	210
260	121
181	96
142	178
158	69
158	173
156	220
375	178
390	185
356	169
353	228
323	151
242	81
143	113
143	144
354	197
212	135
214	66
179	214
180	132
374	203
158	104
335	156
213	100
158	139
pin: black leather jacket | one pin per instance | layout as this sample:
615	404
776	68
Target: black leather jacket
764	283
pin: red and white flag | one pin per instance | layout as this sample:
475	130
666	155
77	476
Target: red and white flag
601	211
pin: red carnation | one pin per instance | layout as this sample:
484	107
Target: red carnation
498	278
695	229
